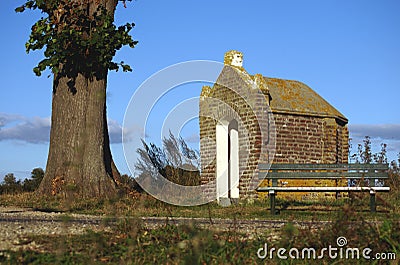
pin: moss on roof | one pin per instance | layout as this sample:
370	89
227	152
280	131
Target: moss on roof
289	96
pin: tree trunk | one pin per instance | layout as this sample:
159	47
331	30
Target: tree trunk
79	162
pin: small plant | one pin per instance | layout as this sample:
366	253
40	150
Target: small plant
175	161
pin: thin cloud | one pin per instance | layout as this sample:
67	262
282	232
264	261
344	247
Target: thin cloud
31	130
36	130
194	138
131	133
6	118
114	131
380	131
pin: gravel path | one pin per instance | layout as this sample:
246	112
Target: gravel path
17	224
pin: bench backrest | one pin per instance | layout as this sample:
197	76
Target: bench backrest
323	171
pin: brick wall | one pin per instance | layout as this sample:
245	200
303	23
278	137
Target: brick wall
309	139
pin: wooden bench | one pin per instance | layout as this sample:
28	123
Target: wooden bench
370	178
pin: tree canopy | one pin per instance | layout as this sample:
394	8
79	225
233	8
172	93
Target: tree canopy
78	34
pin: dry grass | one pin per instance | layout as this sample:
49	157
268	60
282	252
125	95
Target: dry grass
131	243
145	205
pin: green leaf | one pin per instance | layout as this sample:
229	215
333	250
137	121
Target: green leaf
126	68
37	71
20	9
55	69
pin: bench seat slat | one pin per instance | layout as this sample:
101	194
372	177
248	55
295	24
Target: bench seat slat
322	175
323	189
356	167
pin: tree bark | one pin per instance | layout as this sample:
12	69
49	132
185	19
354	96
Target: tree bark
79	162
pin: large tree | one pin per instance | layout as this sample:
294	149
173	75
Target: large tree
79	39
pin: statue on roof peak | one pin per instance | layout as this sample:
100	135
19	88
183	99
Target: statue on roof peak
234	58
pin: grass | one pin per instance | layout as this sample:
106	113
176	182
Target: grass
130	242
136	245
146	206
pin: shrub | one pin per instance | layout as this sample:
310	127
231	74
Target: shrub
175	161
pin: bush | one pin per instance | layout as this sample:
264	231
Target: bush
33	183
11	185
175	161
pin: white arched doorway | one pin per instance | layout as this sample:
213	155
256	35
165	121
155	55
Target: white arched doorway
227	171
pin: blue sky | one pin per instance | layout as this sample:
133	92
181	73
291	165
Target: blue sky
348	51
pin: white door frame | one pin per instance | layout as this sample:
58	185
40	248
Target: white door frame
227	167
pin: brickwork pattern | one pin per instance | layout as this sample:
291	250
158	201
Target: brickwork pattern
309	139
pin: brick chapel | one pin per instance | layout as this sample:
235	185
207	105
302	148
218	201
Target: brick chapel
250	119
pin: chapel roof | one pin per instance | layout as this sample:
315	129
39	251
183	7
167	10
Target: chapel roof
294	97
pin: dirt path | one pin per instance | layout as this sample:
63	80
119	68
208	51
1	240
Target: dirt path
17	224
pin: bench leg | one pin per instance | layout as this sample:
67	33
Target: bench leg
372	201
272	200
